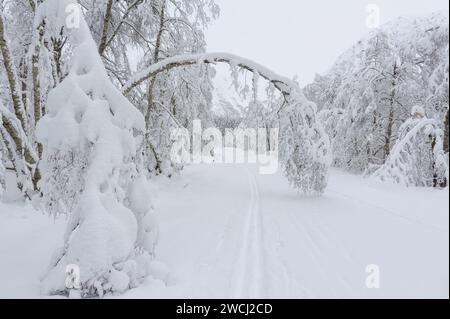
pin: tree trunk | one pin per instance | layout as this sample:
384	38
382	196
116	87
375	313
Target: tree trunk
446	132
18	150
391	118
106	22
37	108
387	145
11	75
151	87
23	74
37	105
433	164
21	148
56	49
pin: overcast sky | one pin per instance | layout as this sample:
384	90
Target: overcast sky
299	37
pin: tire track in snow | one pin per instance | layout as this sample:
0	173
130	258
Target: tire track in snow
249	269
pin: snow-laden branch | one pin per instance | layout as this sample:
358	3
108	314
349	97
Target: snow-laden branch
282	84
400	167
401	145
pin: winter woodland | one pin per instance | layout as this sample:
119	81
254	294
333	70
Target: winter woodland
90	92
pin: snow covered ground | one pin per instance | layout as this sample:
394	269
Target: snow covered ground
227	232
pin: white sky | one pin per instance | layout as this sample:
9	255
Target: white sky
299	37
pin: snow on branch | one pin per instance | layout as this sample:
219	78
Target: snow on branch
282	84
410	155
92	171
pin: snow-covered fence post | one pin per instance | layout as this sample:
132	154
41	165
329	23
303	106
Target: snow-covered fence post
92	137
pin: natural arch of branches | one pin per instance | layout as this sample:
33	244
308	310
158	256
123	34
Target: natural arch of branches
284	85
304	145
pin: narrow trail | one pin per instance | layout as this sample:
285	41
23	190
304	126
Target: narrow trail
249	271
229	232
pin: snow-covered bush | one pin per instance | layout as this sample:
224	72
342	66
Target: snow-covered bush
304	146
418	158
91	165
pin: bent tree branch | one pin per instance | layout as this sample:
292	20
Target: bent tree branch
282	84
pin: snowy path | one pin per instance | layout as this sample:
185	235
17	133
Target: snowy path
227	232
230	232
250	273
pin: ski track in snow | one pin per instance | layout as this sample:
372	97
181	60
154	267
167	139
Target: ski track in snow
228	232
249	271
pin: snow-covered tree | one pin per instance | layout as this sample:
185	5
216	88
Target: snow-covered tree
226	115
332	121
133	33
370	91
33	63
15	123
184	94
35	60
296	117
82	149
305	149
93	172
418	158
